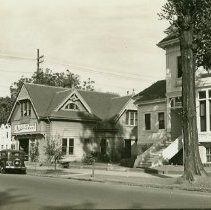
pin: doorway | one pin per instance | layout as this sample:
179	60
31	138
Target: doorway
127	148
24	146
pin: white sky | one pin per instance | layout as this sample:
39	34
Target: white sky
111	41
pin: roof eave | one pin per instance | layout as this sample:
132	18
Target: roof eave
164	44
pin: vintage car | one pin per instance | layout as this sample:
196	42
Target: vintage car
12	161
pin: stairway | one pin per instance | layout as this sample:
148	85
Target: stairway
158	153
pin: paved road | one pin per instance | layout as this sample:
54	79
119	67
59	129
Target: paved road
28	192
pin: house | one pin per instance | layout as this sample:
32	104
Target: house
79	121
5	137
160	113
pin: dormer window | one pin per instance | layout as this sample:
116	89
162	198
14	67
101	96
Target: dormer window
179	66
71	106
25	108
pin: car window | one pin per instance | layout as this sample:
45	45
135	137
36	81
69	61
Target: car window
15	154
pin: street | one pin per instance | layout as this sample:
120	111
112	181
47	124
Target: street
31	192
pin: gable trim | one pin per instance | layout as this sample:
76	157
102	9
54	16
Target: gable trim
79	97
13	108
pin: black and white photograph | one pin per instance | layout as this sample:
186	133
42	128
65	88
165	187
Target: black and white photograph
105	104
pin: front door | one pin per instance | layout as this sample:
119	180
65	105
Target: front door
127	148
24	146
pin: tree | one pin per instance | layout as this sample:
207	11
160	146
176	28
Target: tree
5	108
88	85
47	77
16	86
53	150
192	19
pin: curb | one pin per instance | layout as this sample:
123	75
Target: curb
157	186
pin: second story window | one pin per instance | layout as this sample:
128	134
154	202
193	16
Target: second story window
131	117
202	110
179	66
147	121
25	108
161	120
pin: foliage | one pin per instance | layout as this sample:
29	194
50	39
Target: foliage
128	162
47	77
53	150
5	108
88	85
34	152
196	14
88	159
191	20
105	158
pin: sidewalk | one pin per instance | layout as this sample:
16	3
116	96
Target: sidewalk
120	176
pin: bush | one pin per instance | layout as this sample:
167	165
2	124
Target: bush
88	159
128	162
105	158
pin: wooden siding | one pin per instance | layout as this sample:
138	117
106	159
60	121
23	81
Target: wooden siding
76	130
153	135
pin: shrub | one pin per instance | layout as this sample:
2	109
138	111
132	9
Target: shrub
88	159
105	158
128	162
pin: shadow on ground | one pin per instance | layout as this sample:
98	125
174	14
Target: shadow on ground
6	198
86	205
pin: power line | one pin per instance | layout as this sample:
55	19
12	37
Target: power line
16	57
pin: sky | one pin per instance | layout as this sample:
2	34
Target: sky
112	41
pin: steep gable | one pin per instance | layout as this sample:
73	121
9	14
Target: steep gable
41	96
117	104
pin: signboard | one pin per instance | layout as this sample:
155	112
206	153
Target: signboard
25	128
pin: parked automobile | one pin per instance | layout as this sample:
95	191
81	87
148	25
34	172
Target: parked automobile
12	161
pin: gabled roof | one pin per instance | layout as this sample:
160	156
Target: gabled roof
117	104
155	91
98	102
47	99
41	96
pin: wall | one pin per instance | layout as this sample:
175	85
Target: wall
173	84
5	137
153	135
76	130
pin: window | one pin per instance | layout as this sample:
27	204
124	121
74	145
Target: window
71	146
131	117
202	110
161	120
71	106
29	109
25	108
208	154
179	66
147	121
67	146
64	146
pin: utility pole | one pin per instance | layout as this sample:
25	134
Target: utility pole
40	59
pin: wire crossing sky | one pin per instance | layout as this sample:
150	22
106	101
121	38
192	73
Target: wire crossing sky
113	42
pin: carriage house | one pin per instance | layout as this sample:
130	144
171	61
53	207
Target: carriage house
160	112
79	121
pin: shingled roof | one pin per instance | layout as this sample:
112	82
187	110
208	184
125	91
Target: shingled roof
171	38
155	91
46	99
